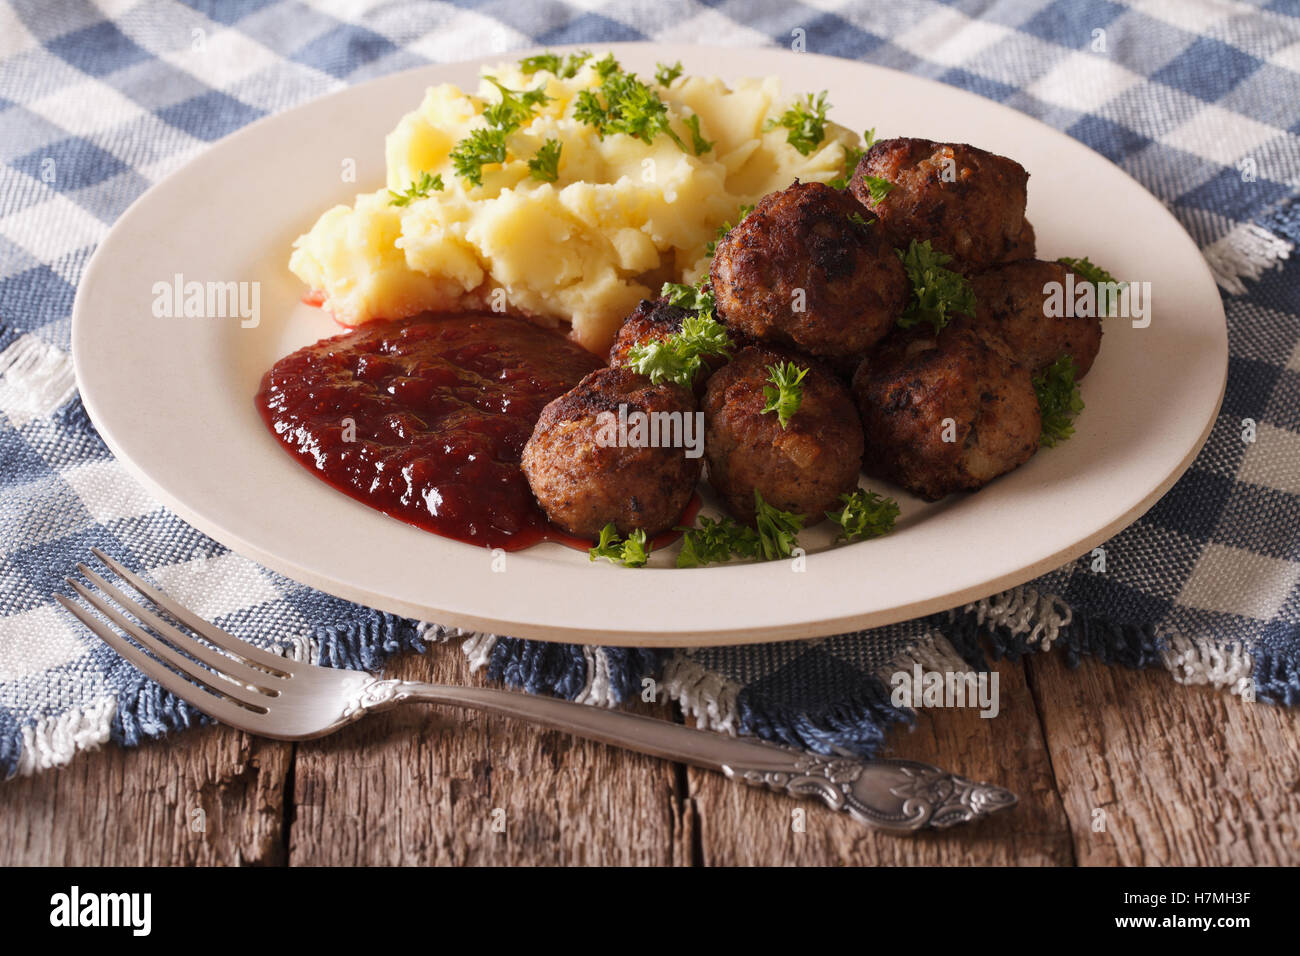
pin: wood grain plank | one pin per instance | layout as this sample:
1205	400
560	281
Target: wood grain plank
116	806
1182	775
740	825
424	785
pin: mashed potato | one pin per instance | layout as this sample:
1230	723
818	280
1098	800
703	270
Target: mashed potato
622	217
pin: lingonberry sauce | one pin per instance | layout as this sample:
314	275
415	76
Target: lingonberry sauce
425	419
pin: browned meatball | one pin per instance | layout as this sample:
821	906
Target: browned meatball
1013	305
584	480
652	321
655	321
910	386
1024	245
805	269
968	202
803	467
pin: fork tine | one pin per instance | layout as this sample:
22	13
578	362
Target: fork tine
213	706
186	666
227	642
231	667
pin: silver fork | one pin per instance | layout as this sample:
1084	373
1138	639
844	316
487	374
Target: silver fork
261	693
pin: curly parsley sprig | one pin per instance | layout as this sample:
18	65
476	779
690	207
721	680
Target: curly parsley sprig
565	69
482	147
1059	400
545	166
665	74
607	66
865	515
877	187
716	541
515	108
778	531
852	156
692	298
699	144
680	356
1086	270
785	394
486	146
419	189
624	104
938	293
775	536
804	122
704	335
726	227
633	552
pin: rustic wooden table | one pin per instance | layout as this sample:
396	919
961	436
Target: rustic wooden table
1111	767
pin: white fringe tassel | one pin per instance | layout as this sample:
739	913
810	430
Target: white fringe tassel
1246	252
479	650
932	652
702	694
599	689
1224	666
53	742
35	379
1023	610
439	633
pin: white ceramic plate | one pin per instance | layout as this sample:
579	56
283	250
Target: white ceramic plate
174	397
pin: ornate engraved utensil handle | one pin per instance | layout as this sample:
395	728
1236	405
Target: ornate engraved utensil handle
896	795
899	795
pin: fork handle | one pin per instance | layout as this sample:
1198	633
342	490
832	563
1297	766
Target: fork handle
894	795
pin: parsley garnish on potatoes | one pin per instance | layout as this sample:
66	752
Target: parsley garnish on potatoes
698	143
785	394
623	104
852	156
664	74
515	107
1059	400
865	515
938	293
487	146
629	223
551	62
545	166
606	66
805	122
726	227
480	148
631	553
419	189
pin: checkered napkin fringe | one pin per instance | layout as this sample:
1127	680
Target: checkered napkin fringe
1200	101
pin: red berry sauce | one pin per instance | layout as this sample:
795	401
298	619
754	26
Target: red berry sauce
425	419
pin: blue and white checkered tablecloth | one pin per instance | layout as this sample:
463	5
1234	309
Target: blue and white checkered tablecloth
1199	100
